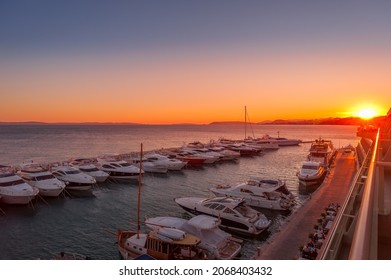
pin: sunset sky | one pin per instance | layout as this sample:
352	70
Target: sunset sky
192	61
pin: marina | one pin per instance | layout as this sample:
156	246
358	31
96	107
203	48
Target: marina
83	225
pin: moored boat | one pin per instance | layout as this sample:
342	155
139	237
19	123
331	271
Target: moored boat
42	179
217	243
161	244
259	192
13	190
234	214
311	173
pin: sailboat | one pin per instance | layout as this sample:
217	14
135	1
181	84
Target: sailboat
160	243
257	143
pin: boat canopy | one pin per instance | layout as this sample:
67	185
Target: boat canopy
204	222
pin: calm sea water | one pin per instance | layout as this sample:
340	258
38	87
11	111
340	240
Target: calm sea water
83	225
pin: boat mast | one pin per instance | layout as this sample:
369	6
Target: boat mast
245	122
139	191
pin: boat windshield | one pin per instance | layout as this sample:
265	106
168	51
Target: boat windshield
11	183
310	167
89	169
44	177
73	172
124	164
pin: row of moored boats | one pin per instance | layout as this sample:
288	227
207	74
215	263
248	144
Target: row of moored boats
21	184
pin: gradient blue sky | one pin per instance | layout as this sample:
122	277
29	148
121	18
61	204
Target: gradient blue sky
192	61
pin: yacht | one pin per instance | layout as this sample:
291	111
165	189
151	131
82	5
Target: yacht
88	166
47	184
13	190
234	214
259	192
119	169
281	141
170	163
149	165
161	244
74	179
322	151
217	243
311	173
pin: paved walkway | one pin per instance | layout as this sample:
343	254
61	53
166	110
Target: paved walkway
285	244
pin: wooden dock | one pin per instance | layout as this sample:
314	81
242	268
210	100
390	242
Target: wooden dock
285	244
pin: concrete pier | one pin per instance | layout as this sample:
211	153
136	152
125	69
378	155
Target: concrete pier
285	244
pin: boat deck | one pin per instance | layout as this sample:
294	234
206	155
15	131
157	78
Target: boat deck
285	244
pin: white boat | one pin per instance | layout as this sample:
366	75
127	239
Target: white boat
74	179
42	179
217	243
170	163
322	151
227	154
259	192
88	166
311	173
233	212
13	190
119	169
149	165
92	170
281	141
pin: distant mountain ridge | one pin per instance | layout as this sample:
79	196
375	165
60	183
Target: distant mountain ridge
325	121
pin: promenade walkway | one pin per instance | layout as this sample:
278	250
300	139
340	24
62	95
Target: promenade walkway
285	244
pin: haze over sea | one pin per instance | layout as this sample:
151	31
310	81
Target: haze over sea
83	224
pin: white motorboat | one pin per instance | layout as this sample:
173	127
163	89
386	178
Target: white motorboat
217	243
42	179
227	154
92	170
74	179
322	151
259	192
88	166
170	163
233	212
13	190
311	173
119	169
261	144
281	141
149	165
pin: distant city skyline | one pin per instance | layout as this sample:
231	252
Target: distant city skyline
177	61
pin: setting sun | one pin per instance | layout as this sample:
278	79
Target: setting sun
367	113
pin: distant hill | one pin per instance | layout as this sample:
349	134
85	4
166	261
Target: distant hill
326	121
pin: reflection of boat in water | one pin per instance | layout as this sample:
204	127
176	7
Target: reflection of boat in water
258	192
216	242
233	212
311	173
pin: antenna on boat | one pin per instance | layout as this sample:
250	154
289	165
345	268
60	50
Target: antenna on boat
139	191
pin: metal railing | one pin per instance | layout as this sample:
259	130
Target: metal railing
364	243
352	228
